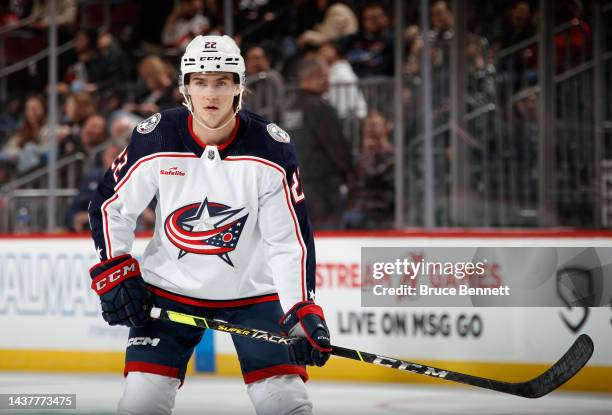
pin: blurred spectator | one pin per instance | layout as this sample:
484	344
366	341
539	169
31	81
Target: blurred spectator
185	22
344	93
156	87
414	44
121	128
265	86
324	153
257	21
373	199
441	21
10	117
111	101
66	14
93	134
77	108
23	149
516	26
370	50
114	64
85	68
572	45
10	13
77	218
339	20
440	35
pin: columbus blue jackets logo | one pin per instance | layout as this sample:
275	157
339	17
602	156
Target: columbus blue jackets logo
148	125
205	228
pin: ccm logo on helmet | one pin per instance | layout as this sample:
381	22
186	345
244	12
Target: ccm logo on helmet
143	341
114	276
210	58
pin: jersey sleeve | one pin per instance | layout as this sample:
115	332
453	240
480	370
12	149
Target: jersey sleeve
285	228
126	189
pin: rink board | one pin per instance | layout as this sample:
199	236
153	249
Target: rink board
50	317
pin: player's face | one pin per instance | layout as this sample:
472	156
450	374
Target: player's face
212	96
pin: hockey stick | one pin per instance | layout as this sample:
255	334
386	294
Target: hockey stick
572	361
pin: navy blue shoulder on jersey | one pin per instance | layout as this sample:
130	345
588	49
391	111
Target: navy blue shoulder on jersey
253	139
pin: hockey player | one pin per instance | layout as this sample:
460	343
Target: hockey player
232	241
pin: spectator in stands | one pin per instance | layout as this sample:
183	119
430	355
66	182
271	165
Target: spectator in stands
93	134
325	155
440	35
338	20
185	22
111	101
344	93
265	86
10	117
370	50
414	44
441	21
77	217
85	68
77	108
121	128
66	17
10	13
23	149
114	64
373	199
516	26
257	21
156	87
572	45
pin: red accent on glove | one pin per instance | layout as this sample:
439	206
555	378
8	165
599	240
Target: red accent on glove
114	276
310	309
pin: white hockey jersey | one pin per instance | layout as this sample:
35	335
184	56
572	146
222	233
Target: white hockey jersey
231	222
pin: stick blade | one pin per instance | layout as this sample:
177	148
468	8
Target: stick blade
570	363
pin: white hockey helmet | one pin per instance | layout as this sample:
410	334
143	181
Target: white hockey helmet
212	54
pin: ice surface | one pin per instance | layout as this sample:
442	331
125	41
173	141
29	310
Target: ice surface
98	394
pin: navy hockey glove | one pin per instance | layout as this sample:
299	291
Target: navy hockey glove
305	319
123	294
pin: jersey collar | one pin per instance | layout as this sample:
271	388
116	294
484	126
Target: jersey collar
193	144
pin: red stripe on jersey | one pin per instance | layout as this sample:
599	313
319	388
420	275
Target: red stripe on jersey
154	368
203	145
211	303
278	370
109	251
123	181
295	222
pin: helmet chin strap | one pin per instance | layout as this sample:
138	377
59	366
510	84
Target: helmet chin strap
202	124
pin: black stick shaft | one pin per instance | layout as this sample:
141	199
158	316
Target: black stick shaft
573	360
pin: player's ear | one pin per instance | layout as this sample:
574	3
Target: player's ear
237	90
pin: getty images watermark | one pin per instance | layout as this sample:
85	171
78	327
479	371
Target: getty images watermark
405	268
485	276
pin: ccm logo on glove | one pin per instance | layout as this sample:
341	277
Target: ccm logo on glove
110	278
